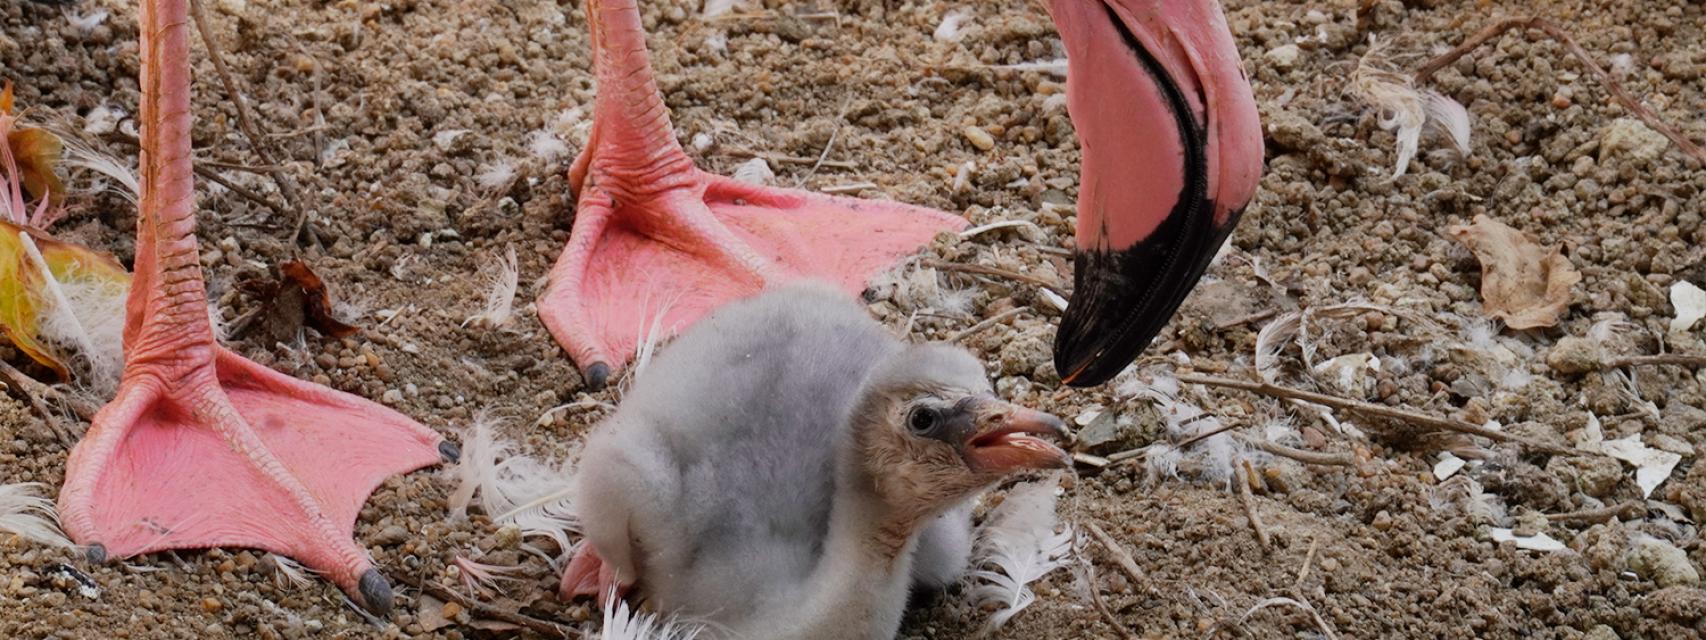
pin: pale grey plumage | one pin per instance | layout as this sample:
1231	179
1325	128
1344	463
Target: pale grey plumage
720	481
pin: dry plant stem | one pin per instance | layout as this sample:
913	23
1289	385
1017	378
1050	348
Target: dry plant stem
1122	559
992	271
286	186
1678	359
1241	475
1308	561
840	123
1596	516
214	176
1204	436
1102	606
1302	455
787	159
483	610
1254	317
1377	410
987	323
1427	70
33	393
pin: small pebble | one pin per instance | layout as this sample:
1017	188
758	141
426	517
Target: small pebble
980	138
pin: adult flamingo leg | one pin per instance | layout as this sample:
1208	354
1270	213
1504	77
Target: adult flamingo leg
658	243
201	447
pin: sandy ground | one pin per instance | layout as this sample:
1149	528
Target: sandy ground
358	98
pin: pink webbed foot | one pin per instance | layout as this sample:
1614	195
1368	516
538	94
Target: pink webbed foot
200	447
247	457
656	243
589	575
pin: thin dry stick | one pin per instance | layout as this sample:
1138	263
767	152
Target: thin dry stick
286	186
1681	360
1302	455
33	393
781	158
1121	559
1102	606
993	271
210	174
1241	475
840	122
1204	436
987	323
1308	561
1595	516
1427	70
1377	410
483	610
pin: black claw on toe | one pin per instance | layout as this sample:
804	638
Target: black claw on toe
96	553
450	452
597	375
375	593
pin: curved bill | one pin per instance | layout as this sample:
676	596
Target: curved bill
1172	151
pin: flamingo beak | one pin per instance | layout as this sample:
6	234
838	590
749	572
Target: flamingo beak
1172	152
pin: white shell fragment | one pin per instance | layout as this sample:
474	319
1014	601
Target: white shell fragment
1690	303
1536	542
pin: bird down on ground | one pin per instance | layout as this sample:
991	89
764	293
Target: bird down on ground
788	469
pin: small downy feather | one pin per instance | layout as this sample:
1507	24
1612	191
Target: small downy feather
1404	109
545	145
26	513
714	8
85	314
514	488
1016	546
496	176
624	623
500	280
755	171
952	26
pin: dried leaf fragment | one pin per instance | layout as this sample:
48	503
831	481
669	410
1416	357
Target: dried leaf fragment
1526	285
33	296
299	298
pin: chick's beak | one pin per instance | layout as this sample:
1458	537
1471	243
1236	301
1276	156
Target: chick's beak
1004	439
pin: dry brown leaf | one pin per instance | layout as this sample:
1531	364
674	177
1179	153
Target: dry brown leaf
1524	284
298	299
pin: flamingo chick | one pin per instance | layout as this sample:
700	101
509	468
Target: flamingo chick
787	469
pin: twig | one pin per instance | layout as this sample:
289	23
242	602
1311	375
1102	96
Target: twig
993	271
482	609
840	123
1682	360
33	393
210	174
1308	561
850	188
1377	410
1230	425
1595	516
1292	602
1100	605
787	159
1302	455
1427	70
1254	317
987	323
286	186
1241	475
1122	559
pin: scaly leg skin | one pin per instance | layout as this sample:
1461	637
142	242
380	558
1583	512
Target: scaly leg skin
658	243
201	447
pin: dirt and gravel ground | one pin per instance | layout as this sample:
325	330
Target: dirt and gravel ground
358	98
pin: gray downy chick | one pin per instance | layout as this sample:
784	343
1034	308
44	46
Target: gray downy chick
789	469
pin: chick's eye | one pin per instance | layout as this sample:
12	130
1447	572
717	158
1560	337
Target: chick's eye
923	419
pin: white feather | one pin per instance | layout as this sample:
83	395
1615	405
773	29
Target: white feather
623	623
755	171
25	513
85	23
496	176
545	145
513	488
86	316
1450	116
950	29
80	155
1016	546
714	8
501	279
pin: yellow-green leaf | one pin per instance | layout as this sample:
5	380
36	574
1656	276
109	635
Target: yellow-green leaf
23	287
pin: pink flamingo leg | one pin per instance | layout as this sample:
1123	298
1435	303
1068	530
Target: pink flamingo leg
201	447
658	243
